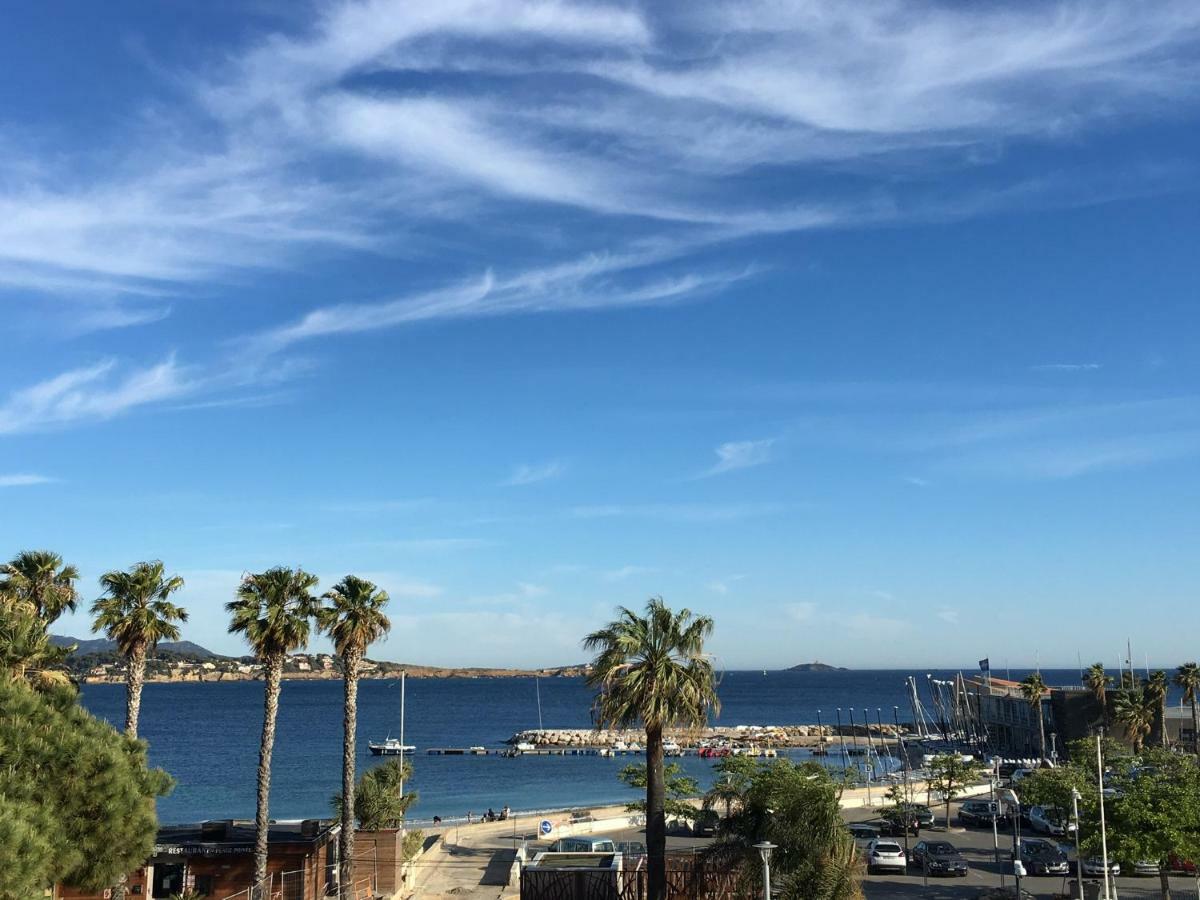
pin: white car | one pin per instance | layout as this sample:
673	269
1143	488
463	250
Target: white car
1145	867
1050	820
1093	866
886	855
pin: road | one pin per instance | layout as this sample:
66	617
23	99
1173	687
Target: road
475	861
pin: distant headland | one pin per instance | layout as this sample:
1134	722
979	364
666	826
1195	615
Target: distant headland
817	667
98	662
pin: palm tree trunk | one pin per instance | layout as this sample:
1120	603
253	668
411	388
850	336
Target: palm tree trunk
1162	720
135	677
1041	728
1195	728
349	724
656	822
272	672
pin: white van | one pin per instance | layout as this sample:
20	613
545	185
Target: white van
583	845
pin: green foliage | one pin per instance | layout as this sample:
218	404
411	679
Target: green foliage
25	647
798	809
1134	709
273	610
652	670
734	777
1156	812
1097	681
39	578
678	786
354	619
378	802
135	611
411	845
1053	787
949	773
76	797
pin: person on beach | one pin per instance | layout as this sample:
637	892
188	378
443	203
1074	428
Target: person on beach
469	817
504	813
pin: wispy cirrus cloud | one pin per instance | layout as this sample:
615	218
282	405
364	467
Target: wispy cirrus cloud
526	474
24	479
734	455
92	393
691	513
1065	367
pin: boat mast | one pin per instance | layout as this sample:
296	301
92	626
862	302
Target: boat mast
538	686
402	674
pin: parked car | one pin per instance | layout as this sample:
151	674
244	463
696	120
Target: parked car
1018	774
1042	857
862	832
978	812
892	827
886	855
939	858
1050	820
1177	863
706	822
1094	866
583	845
1006	769
922	814
1143	867
631	848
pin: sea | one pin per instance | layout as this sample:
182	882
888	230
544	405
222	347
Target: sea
206	735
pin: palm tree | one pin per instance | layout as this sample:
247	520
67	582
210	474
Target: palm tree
1187	677
39	578
273	611
1156	690
1133	710
1097	681
1033	688
136	613
26	652
653	670
354	621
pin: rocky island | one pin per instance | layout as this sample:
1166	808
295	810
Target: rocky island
817	667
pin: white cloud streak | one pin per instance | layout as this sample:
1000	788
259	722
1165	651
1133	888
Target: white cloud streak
93	393
734	455
527	474
24	479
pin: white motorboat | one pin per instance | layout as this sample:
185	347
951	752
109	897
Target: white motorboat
391	747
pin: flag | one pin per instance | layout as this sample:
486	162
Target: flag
985	666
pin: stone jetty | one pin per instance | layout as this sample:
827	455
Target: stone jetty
760	735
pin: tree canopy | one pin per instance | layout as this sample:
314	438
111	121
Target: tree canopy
76	797
796	807
678	788
378	801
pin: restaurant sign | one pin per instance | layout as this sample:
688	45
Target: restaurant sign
202	849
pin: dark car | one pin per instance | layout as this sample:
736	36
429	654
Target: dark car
1042	857
862	832
631	848
893	826
979	812
705	823
939	858
922	814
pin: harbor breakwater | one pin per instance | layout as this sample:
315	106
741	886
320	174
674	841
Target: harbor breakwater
763	736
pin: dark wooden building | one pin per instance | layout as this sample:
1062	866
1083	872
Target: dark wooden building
216	859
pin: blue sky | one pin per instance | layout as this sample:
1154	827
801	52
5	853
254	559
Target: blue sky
868	329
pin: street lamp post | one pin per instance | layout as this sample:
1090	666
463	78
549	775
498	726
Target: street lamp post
1014	802
1078	855
764	849
995	812
1103	828
904	762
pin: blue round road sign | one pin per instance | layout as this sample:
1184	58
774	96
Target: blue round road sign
545	827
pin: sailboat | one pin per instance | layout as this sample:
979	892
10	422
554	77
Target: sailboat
391	746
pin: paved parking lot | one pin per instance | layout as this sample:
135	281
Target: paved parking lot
976	846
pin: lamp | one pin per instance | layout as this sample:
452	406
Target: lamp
764	849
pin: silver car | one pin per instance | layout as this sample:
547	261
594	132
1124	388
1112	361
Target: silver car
886	855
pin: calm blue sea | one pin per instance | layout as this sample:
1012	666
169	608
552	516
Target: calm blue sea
206	736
